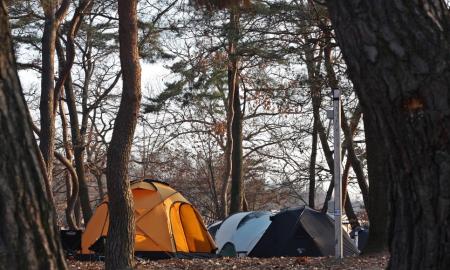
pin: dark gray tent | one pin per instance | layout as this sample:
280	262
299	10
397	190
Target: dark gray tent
300	231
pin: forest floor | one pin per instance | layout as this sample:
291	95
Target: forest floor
369	262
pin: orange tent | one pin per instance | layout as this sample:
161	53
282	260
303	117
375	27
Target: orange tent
167	225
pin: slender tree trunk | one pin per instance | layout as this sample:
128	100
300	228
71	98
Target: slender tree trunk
101	193
77	141
345	174
312	166
355	162
313	67
120	242
213	187
236	196
71	182
48	105
397	53
65	80
352	218
47	115
330	162
329	154
227	164
28	232
348	133
77	213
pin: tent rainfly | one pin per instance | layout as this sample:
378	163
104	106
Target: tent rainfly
299	231
240	232
167	225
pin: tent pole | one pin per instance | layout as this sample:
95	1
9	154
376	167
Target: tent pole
337	173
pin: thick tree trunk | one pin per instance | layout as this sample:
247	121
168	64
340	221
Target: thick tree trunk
398	57
28	233
120	242
378	188
236	195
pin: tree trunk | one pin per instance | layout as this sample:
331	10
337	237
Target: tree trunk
312	165
352	218
313	66
77	141
101	193
120	242
348	132
47	115
28	233
71	182
48	102
397	53
330	162
227	163
236	196
329	154
354	161
378	188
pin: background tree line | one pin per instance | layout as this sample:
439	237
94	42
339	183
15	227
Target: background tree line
240	124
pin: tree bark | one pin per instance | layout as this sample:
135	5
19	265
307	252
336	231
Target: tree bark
47	115
329	154
236	195
312	165
48	104
352	218
65	80
120	242
348	132
398	57
313	67
351	155
227	162
28	233
378	188
71	180
77	140
330	162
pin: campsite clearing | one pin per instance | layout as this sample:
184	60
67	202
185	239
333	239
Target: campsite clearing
372	262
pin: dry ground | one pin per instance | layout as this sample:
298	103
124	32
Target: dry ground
369	262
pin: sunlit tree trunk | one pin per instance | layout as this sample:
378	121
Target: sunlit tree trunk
120	242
